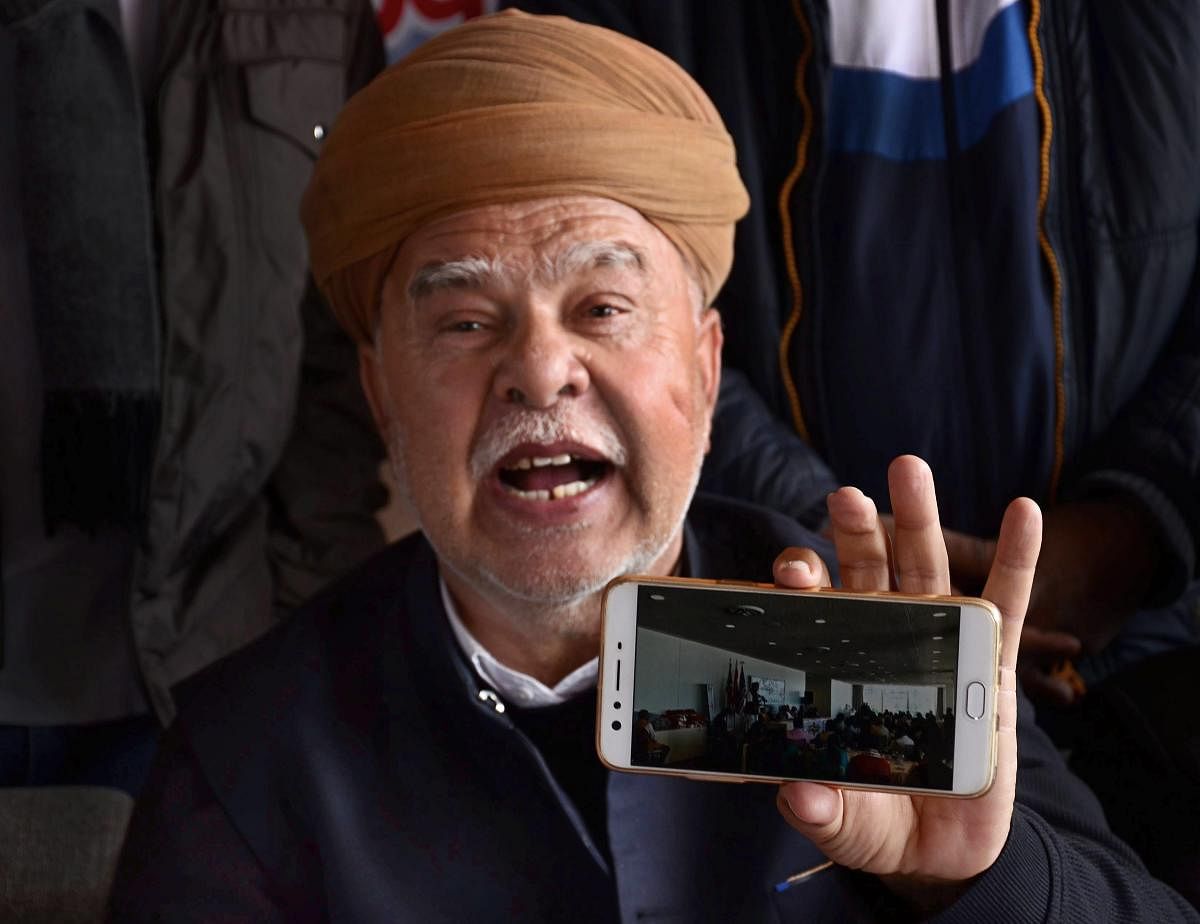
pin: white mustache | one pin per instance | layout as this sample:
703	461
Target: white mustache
552	426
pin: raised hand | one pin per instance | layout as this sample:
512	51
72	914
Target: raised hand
927	848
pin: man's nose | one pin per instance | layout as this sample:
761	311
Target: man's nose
541	364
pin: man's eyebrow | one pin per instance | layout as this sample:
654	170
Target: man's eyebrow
475	272
463	273
587	255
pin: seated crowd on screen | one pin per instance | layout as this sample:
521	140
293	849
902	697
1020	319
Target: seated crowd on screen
858	746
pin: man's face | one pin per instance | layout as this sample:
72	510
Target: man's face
545	379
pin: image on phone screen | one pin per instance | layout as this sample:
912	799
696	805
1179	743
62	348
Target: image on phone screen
762	684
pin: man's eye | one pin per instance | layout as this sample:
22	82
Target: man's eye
466	327
603	311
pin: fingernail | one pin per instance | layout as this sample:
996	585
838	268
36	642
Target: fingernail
800	567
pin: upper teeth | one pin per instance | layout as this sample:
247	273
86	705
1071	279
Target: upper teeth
540	461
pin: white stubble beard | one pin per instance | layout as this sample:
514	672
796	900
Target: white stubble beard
562	596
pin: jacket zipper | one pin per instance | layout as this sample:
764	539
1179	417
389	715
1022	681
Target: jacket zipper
1048	252
789	243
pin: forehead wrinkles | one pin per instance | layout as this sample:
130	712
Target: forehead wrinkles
476	271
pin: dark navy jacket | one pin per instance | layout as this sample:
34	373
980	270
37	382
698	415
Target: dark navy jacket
345	768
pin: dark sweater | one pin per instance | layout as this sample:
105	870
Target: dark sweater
345	768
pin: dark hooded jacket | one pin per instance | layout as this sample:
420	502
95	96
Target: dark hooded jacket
1094	271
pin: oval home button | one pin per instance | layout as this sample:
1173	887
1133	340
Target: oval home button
975	700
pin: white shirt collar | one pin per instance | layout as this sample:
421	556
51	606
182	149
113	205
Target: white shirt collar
519	689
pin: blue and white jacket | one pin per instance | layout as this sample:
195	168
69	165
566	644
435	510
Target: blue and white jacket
973	236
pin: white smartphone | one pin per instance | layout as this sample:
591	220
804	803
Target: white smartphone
723	680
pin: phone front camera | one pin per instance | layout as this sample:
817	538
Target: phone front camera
616	725
617	704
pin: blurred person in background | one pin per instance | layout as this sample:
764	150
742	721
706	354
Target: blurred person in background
973	237
186	453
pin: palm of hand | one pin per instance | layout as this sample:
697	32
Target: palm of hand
915	841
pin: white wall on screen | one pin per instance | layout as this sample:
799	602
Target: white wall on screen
670	668
889	697
841	697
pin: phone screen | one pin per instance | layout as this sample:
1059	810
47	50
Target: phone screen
761	684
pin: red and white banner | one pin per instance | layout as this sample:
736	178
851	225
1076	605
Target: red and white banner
405	24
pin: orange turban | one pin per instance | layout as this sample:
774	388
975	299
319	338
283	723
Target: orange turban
511	107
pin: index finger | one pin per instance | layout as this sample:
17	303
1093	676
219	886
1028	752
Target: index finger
863	548
1011	578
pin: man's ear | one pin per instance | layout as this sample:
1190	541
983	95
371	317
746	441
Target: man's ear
370	374
709	340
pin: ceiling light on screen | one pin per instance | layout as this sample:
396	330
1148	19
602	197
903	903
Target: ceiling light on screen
658	597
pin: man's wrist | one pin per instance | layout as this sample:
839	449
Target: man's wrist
926	897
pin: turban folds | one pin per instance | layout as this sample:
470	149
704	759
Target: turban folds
514	107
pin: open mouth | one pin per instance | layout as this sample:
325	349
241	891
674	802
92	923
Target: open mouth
551	477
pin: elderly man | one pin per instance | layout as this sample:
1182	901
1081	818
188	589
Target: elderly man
524	224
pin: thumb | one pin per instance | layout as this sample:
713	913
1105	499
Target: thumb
812	809
854	828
